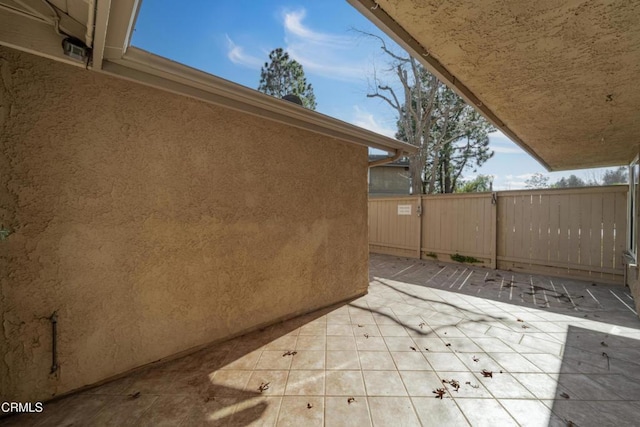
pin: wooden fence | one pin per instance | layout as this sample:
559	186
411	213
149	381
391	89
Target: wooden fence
579	232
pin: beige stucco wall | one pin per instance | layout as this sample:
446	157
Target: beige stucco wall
153	223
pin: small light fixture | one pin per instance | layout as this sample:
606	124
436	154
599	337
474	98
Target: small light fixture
75	49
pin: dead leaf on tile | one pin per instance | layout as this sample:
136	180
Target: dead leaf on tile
422	325
519	320
309	406
487	374
472	385
360	326
525	327
263	387
351	400
448	344
413	348
426	349
439	392
453	383
565	395
366	335
290	353
475	359
135	395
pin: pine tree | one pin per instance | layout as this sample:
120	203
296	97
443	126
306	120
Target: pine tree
285	76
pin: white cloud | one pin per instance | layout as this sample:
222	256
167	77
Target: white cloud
506	150
324	54
294	26
237	55
366	120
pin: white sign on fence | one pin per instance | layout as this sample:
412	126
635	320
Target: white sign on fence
404	209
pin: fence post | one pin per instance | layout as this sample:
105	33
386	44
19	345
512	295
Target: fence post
494	230
419	212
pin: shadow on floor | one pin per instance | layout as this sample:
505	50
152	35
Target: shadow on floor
599	380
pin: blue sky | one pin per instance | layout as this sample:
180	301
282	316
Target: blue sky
232	39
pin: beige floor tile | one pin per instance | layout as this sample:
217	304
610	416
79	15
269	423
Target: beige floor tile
410	361
463	345
343	360
523	411
275	380
308	359
371	343
123	411
315	329
549	363
383	383
344	319
74	410
439	412
305	383
340	412
485	413
504	386
479	361
297	411
376	360
445	362
362	319
283	343
492	345
400	344
542	386
153	381
166	411
340	329
274	360
311	342
341	343
257	412
344	383
392	331
432	344
241	361
469	384
213	412
361	329
420	383
513	362
229	383
393	411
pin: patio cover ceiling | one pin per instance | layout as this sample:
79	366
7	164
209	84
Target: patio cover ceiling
562	79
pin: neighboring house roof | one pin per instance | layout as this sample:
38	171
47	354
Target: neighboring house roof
402	162
559	78
27	25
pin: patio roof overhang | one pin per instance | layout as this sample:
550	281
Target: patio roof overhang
559	78
106	27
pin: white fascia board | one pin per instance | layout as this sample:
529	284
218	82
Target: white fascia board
153	70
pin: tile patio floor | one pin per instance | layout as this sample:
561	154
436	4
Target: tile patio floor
379	359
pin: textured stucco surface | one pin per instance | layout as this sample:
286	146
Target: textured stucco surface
154	223
561	75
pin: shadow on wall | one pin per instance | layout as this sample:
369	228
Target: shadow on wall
599	380
184	390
